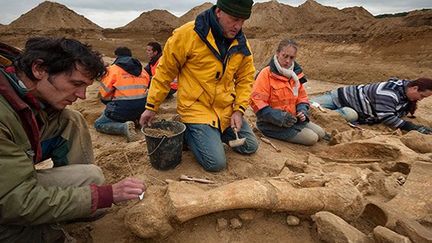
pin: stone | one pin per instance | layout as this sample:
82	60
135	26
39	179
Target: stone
292	220
332	228
418	142
384	235
414	230
426	220
248	215
235	223
414	198
221	224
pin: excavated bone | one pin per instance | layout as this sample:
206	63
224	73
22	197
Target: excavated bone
162	208
361	152
418	142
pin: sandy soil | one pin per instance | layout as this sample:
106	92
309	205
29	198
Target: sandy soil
338	47
372	153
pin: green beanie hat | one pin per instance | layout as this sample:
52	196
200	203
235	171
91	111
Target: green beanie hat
237	8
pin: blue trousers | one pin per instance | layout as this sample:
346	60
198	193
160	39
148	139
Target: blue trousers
206	143
330	101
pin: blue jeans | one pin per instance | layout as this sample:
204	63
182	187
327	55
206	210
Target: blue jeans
109	126
206	144
330	101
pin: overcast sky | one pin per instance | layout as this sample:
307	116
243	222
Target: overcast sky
117	13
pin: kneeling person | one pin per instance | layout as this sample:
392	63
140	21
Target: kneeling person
213	62
124	91
34	125
280	100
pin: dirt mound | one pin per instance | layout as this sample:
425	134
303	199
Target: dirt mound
272	18
269	18
418	18
154	21
359	13
191	14
316	17
315	12
51	15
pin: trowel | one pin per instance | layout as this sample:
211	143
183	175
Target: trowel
238	141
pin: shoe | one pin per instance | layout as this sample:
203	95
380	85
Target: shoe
131	134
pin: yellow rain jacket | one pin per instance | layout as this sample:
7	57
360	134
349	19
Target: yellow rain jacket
209	88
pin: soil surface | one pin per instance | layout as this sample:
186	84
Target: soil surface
337	47
158	132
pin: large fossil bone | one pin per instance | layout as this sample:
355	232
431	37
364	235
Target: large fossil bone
305	194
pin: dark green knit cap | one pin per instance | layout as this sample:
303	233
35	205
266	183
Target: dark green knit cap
237	8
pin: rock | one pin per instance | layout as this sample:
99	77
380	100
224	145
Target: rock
248	215
235	223
221	224
426	220
401	180
418	142
332	228
415	231
415	198
292	220
384	235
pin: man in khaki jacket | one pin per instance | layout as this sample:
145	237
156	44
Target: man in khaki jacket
213	62
34	125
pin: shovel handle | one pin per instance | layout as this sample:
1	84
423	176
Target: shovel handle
235	132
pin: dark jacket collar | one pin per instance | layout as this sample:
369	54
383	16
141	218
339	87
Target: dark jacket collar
203	24
129	64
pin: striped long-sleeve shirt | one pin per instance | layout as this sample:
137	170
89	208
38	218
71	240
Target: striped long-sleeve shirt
384	102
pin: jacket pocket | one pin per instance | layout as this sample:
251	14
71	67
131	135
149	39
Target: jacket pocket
188	97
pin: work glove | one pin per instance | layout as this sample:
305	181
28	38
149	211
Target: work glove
289	120
424	130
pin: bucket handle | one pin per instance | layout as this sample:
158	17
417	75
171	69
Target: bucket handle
157	147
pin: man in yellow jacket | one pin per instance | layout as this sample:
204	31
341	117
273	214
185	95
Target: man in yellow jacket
213	62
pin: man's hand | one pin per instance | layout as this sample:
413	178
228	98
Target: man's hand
126	189
237	120
301	116
424	130
289	120
147	117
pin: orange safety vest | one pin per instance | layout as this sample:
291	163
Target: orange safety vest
276	91
118	84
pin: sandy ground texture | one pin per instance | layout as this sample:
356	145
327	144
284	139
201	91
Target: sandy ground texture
376	160
384	169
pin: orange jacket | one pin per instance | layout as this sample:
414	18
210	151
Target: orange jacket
274	90
118	84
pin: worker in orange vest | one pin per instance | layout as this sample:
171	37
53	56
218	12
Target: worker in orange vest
124	91
154	52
